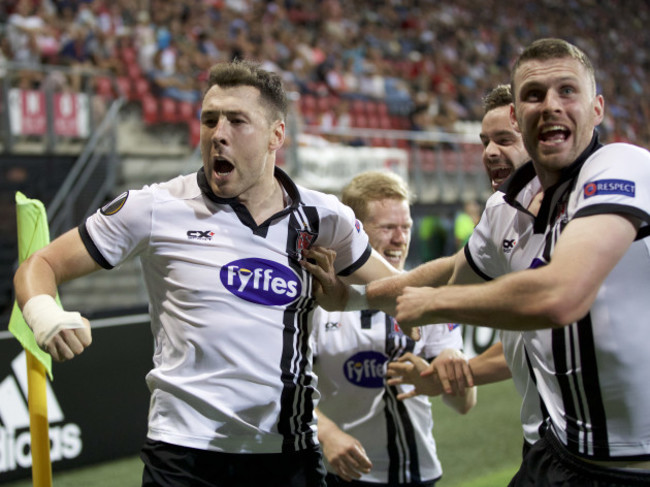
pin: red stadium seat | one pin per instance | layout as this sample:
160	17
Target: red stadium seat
185	111
133	71
128	55
359	121
195	132
150	110
125	88
141	88
104	86
168	112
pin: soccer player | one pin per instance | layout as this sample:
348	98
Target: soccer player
232	387
369	438
574	277
503	153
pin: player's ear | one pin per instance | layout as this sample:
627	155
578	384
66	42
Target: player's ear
277	135
599	109
513	118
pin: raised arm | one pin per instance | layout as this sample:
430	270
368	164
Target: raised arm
62	334
551	296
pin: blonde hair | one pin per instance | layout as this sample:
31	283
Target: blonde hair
372	186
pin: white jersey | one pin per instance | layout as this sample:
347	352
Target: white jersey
592	375
230	308
351	352
530	413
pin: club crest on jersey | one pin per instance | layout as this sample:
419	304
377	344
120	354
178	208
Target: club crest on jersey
610	186
304	240
261	281
366	369
115	205
357	225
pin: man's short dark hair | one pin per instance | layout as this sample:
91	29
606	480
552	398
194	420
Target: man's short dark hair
550	48
249	73
500	96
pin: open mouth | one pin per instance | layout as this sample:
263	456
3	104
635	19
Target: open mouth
222	166
393	255
554	134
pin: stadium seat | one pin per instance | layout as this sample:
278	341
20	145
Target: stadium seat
128	55
195	132
141	88
133	71
359	121
104	86
168	112
185	111
125	87
149	110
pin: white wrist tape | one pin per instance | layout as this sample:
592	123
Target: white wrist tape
46	318
357	299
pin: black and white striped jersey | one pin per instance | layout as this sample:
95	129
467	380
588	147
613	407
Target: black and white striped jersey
592	375
230	308
351	352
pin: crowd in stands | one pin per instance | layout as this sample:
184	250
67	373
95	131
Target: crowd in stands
432	60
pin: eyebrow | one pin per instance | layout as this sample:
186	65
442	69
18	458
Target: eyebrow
227	113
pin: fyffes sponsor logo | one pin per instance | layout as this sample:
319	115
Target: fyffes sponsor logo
366	369
261	281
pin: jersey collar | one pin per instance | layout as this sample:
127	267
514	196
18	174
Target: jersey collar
553	194
242	212
524	176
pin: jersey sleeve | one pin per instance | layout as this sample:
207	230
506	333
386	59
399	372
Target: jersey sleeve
343	233
120	229
615	180
435	338
481	251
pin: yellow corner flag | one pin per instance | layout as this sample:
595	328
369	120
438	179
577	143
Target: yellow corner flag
34	233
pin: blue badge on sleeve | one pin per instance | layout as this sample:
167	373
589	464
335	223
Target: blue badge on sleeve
610	186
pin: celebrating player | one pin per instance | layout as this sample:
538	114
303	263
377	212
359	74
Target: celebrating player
232	387
368	436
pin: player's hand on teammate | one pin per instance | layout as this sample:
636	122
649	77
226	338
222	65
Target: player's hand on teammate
449	373
408	370
451	369
330	292
412	308
346	454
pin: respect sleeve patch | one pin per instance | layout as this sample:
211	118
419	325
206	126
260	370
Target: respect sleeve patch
610	186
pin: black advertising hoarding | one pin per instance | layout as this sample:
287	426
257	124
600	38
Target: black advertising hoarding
97	403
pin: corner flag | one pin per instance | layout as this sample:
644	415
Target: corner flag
34	233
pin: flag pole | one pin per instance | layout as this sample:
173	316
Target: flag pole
33	234
38	424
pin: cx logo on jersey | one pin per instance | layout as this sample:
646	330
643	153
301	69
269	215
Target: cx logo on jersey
200	235
508	244
332	325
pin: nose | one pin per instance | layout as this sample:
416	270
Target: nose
491	150
219	133
401	235
551	102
